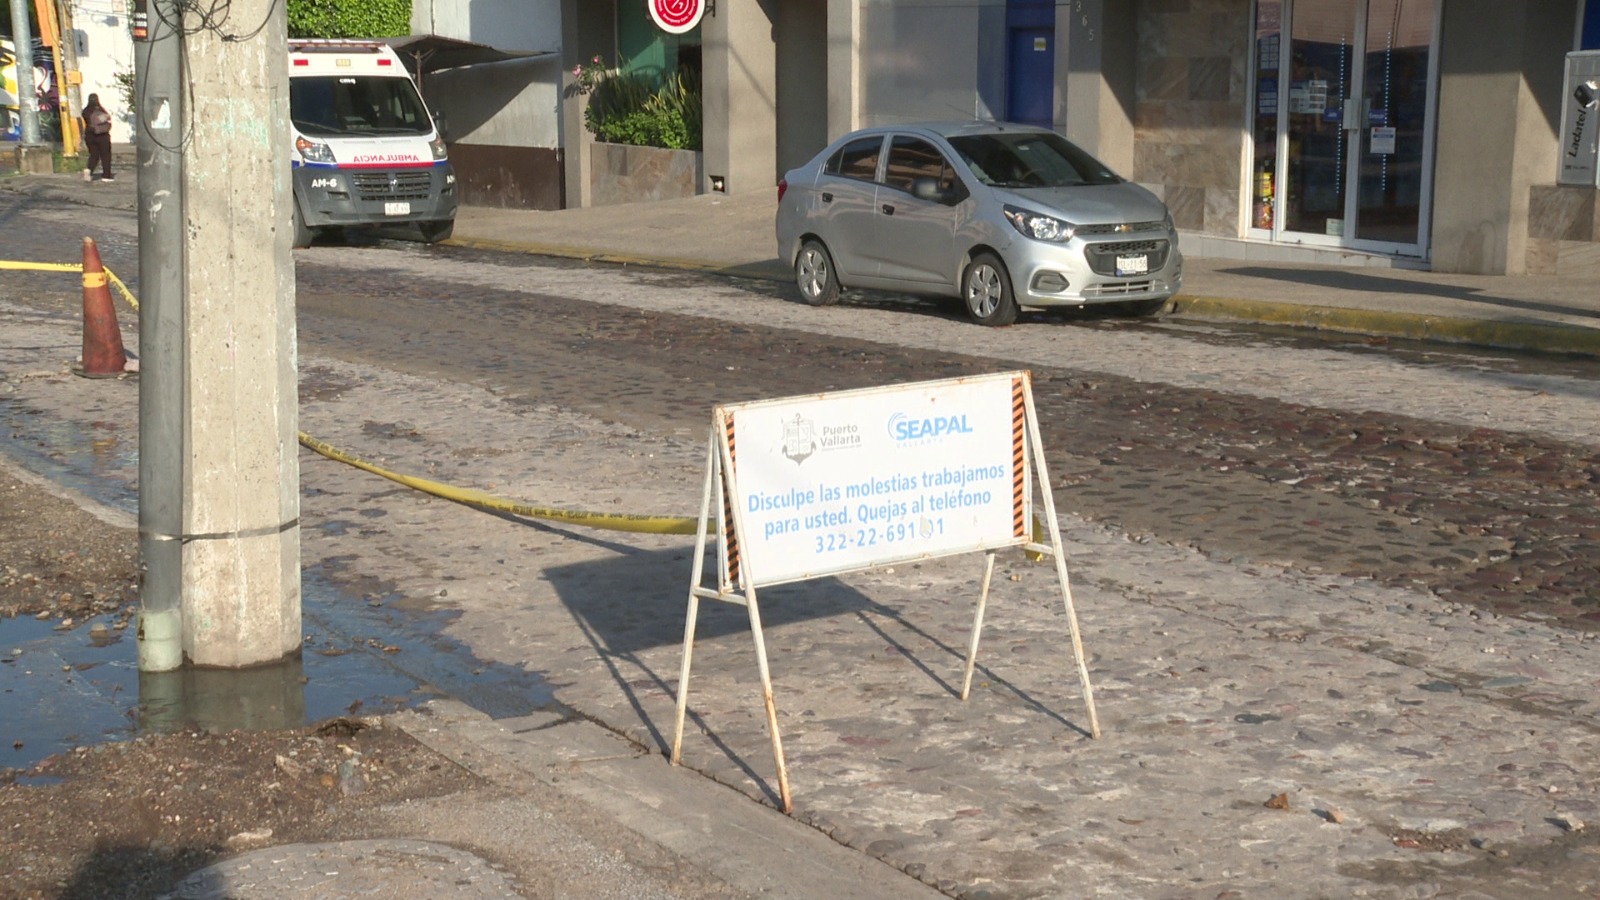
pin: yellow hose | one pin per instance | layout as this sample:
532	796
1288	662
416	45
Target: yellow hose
608	521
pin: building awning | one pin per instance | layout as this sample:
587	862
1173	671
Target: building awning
428	53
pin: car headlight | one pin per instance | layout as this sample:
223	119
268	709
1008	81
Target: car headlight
1171	226
313	151
1039	226
437	146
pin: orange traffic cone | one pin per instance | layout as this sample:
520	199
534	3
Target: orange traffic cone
103	356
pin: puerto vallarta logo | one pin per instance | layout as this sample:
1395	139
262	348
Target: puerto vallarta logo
799	438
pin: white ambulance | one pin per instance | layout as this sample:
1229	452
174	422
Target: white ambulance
366	149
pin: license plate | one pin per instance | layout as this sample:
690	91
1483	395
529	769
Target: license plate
404	209
1133	265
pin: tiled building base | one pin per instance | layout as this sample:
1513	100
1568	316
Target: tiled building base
1563	230
622	173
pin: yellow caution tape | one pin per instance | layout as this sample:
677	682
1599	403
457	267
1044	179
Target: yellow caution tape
479	499
126	294
95	280
72	267
41	267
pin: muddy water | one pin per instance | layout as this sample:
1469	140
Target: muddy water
66	687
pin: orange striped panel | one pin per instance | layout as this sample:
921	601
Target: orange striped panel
731	535
1019	420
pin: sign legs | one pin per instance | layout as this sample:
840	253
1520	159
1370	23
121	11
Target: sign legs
715	486
1048	498
977	623
693	616
766	697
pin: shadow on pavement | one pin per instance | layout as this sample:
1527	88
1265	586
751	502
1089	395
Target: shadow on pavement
1377	284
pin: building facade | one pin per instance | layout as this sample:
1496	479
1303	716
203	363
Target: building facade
1418	133
503	118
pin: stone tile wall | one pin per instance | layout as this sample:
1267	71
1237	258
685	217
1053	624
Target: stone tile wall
1191	93
1563	231
622	173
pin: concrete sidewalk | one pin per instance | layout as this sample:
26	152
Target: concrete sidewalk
554	786
733	235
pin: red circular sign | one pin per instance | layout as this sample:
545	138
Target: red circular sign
677	16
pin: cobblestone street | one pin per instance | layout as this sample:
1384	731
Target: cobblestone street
1363	577
1485	515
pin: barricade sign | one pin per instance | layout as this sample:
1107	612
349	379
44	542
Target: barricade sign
825	484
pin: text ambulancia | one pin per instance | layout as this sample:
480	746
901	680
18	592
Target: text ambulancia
366	149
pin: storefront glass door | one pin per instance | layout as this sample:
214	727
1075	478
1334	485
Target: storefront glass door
1343	119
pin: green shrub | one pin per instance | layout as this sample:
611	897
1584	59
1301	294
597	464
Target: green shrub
349	18
631	108
126	84
64	163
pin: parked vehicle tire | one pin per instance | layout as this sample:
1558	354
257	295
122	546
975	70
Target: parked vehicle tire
1141	307
814	275
303	233
434	232
986	290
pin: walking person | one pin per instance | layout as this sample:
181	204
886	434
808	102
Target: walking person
97	137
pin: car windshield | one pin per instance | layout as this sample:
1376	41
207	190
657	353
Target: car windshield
1030	159
323	106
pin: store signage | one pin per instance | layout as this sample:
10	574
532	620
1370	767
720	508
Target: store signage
1579	158
849	480
1383	140
676	16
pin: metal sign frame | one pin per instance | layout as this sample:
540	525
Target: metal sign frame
723	513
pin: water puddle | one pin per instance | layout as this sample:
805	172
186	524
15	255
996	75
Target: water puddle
64	688
60	689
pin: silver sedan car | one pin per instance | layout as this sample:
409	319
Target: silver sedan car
1002	216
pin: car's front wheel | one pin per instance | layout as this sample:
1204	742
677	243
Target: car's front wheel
986	289
814	275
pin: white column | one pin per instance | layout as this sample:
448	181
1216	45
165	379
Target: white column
241	556
740	97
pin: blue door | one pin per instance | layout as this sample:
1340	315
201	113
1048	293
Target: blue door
1031	61
1030	81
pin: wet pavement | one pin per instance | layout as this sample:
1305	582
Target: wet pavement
1293	572
64	687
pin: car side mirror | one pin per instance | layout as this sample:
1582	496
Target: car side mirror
928	189
442	125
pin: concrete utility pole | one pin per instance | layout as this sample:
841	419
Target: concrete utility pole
219	515
158	97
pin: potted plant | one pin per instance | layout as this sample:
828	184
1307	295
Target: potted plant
647	130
